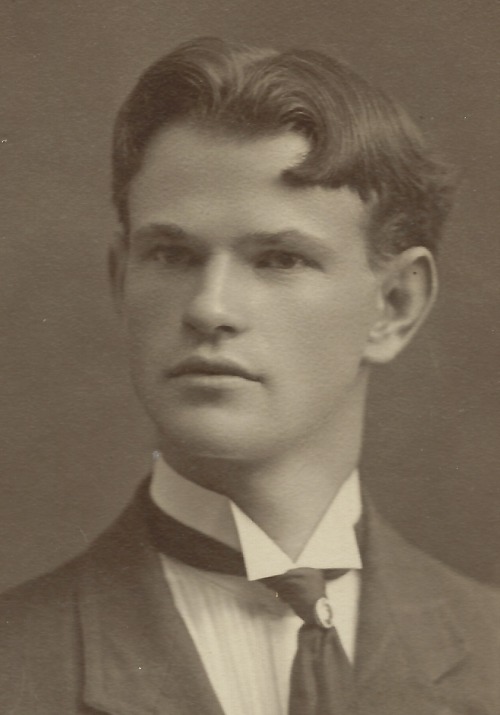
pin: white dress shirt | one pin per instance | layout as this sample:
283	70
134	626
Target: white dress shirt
245	636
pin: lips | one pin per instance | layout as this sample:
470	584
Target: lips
207	367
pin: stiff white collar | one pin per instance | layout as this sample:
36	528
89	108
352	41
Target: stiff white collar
333	543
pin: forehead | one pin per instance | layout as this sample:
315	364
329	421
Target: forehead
185	161
203	181
198	149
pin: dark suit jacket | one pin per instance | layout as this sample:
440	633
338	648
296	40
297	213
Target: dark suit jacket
102	635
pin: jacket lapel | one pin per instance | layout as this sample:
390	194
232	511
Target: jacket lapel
408	641
139	658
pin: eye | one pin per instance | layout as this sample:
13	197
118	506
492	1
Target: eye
173	255
282	260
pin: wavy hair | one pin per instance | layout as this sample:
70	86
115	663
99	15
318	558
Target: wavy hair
359	137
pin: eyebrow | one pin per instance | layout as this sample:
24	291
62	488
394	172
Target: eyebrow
284	235
172	231
160	230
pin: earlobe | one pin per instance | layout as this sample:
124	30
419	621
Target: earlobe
408	289
117	256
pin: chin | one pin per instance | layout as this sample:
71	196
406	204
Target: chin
212	439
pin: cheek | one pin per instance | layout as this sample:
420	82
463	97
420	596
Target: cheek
321	340
147	337
151	310
333	321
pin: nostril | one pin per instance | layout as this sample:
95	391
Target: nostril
208	327
209	316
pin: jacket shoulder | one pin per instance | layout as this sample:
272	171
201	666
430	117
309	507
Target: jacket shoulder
443	575
41	644
46	594
39	640
420	577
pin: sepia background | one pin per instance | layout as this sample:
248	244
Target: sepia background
73	441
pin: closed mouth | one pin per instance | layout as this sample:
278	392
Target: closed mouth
201	366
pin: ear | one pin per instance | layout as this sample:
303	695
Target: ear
408	290
117	264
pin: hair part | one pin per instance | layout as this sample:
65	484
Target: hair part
359	137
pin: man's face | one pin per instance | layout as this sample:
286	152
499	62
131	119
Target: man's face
248	302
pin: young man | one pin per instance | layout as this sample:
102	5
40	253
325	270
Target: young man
280	218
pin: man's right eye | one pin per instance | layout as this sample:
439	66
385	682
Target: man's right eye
173	255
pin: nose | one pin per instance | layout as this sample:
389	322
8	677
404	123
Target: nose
216	306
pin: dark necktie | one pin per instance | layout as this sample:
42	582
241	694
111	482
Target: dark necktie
321	678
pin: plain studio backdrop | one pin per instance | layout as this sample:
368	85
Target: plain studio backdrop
73	440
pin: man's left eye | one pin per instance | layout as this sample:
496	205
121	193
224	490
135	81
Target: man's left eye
283	260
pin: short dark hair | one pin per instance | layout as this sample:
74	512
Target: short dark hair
360	138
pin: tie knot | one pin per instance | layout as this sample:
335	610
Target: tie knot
304	589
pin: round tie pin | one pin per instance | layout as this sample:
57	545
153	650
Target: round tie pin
323	612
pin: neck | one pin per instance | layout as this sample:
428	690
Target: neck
286	496
288	500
